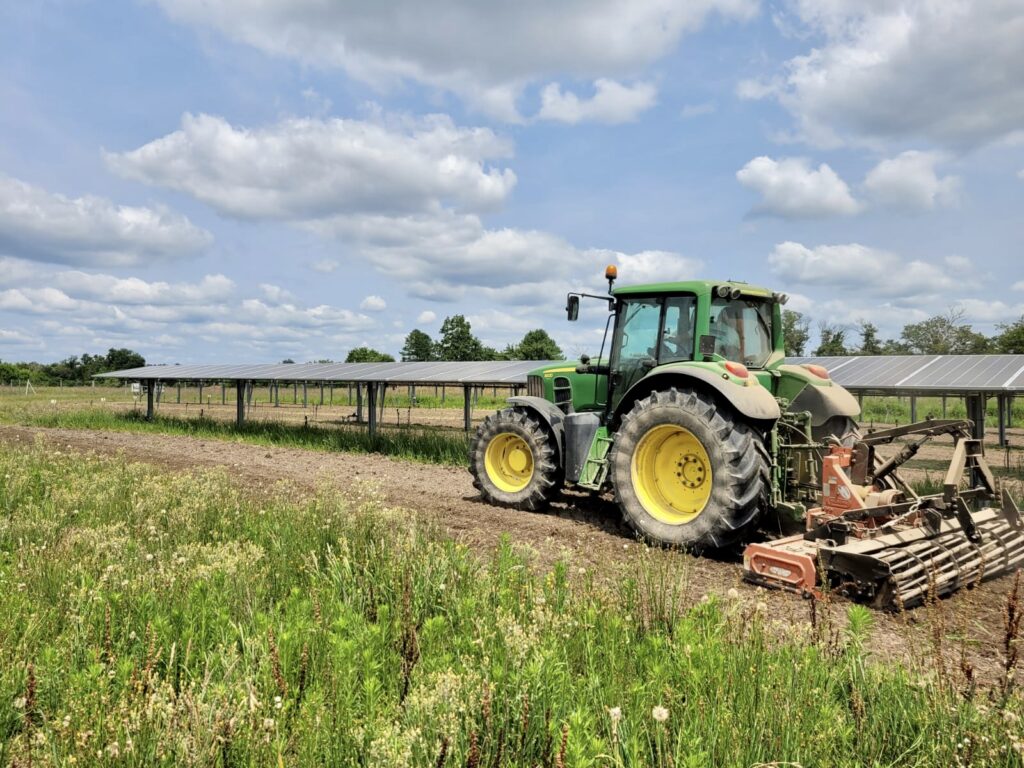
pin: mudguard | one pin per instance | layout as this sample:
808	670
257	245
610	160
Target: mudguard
550	413
824	402
750	399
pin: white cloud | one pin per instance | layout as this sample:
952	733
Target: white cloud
791	189
373	304
1020	173
275	294
612	102
988	311
948	72
15	337
698	110
426	316
858	268
89	231
325	266
486	52
909	181
308	168
1019	285
132	290
656	266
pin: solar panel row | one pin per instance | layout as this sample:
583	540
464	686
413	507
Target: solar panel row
479	373
946	373
939	373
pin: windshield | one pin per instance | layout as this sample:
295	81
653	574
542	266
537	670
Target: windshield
742	330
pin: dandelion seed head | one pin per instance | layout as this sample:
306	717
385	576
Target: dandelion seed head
660	714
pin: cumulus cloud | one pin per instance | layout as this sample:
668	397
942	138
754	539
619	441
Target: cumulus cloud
275	294
133	290
857	267
373	304
90	231
792	189
426	316
485	52
909	182
325	266
1019	285
612	102
876	69
309	168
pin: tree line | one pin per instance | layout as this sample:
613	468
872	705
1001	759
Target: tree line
71	370
457	342
945	334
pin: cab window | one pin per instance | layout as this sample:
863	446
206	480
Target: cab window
742	330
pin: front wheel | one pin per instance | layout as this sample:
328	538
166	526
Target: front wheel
514	460
688	472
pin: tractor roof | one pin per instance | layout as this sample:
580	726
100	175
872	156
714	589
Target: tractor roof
690	286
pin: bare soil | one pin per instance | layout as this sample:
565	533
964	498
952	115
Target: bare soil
585	531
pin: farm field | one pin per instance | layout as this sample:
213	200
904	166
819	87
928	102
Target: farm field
168	599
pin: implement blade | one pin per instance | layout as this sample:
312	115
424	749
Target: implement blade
903	569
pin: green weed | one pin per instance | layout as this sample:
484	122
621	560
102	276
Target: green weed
150	618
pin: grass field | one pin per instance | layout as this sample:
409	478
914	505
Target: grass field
149	618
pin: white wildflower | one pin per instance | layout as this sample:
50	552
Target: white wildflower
733	593
660	714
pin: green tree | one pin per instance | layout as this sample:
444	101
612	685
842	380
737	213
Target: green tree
1010	340
457	340
869	342
123	359
287	361
795	332
367	355
537	345
832	341
945	335
418	347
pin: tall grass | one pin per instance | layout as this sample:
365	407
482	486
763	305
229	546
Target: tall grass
432	444
171	619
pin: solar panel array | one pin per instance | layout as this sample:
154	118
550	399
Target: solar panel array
502	372
894	373
926	373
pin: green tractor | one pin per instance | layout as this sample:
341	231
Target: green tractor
706	435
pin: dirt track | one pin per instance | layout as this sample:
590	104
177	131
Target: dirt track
586	531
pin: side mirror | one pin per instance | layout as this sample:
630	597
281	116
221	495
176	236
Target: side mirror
572	307
707	345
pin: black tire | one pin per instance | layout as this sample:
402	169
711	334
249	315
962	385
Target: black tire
739	467
547	474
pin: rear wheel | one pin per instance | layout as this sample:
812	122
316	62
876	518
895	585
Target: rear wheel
513	460
689	473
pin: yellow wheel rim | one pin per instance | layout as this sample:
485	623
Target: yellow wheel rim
509	462
671	474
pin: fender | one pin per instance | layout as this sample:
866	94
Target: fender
548	412
823	398
750	398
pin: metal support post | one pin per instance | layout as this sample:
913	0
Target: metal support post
913	408
200	392
943	406
305	395
149	399
224	393
332	392
359	403
239	402
467	407
371	391
1001	413
277	394
295	392
179	393
321	393
976	413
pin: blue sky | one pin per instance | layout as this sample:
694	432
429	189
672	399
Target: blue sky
207	180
